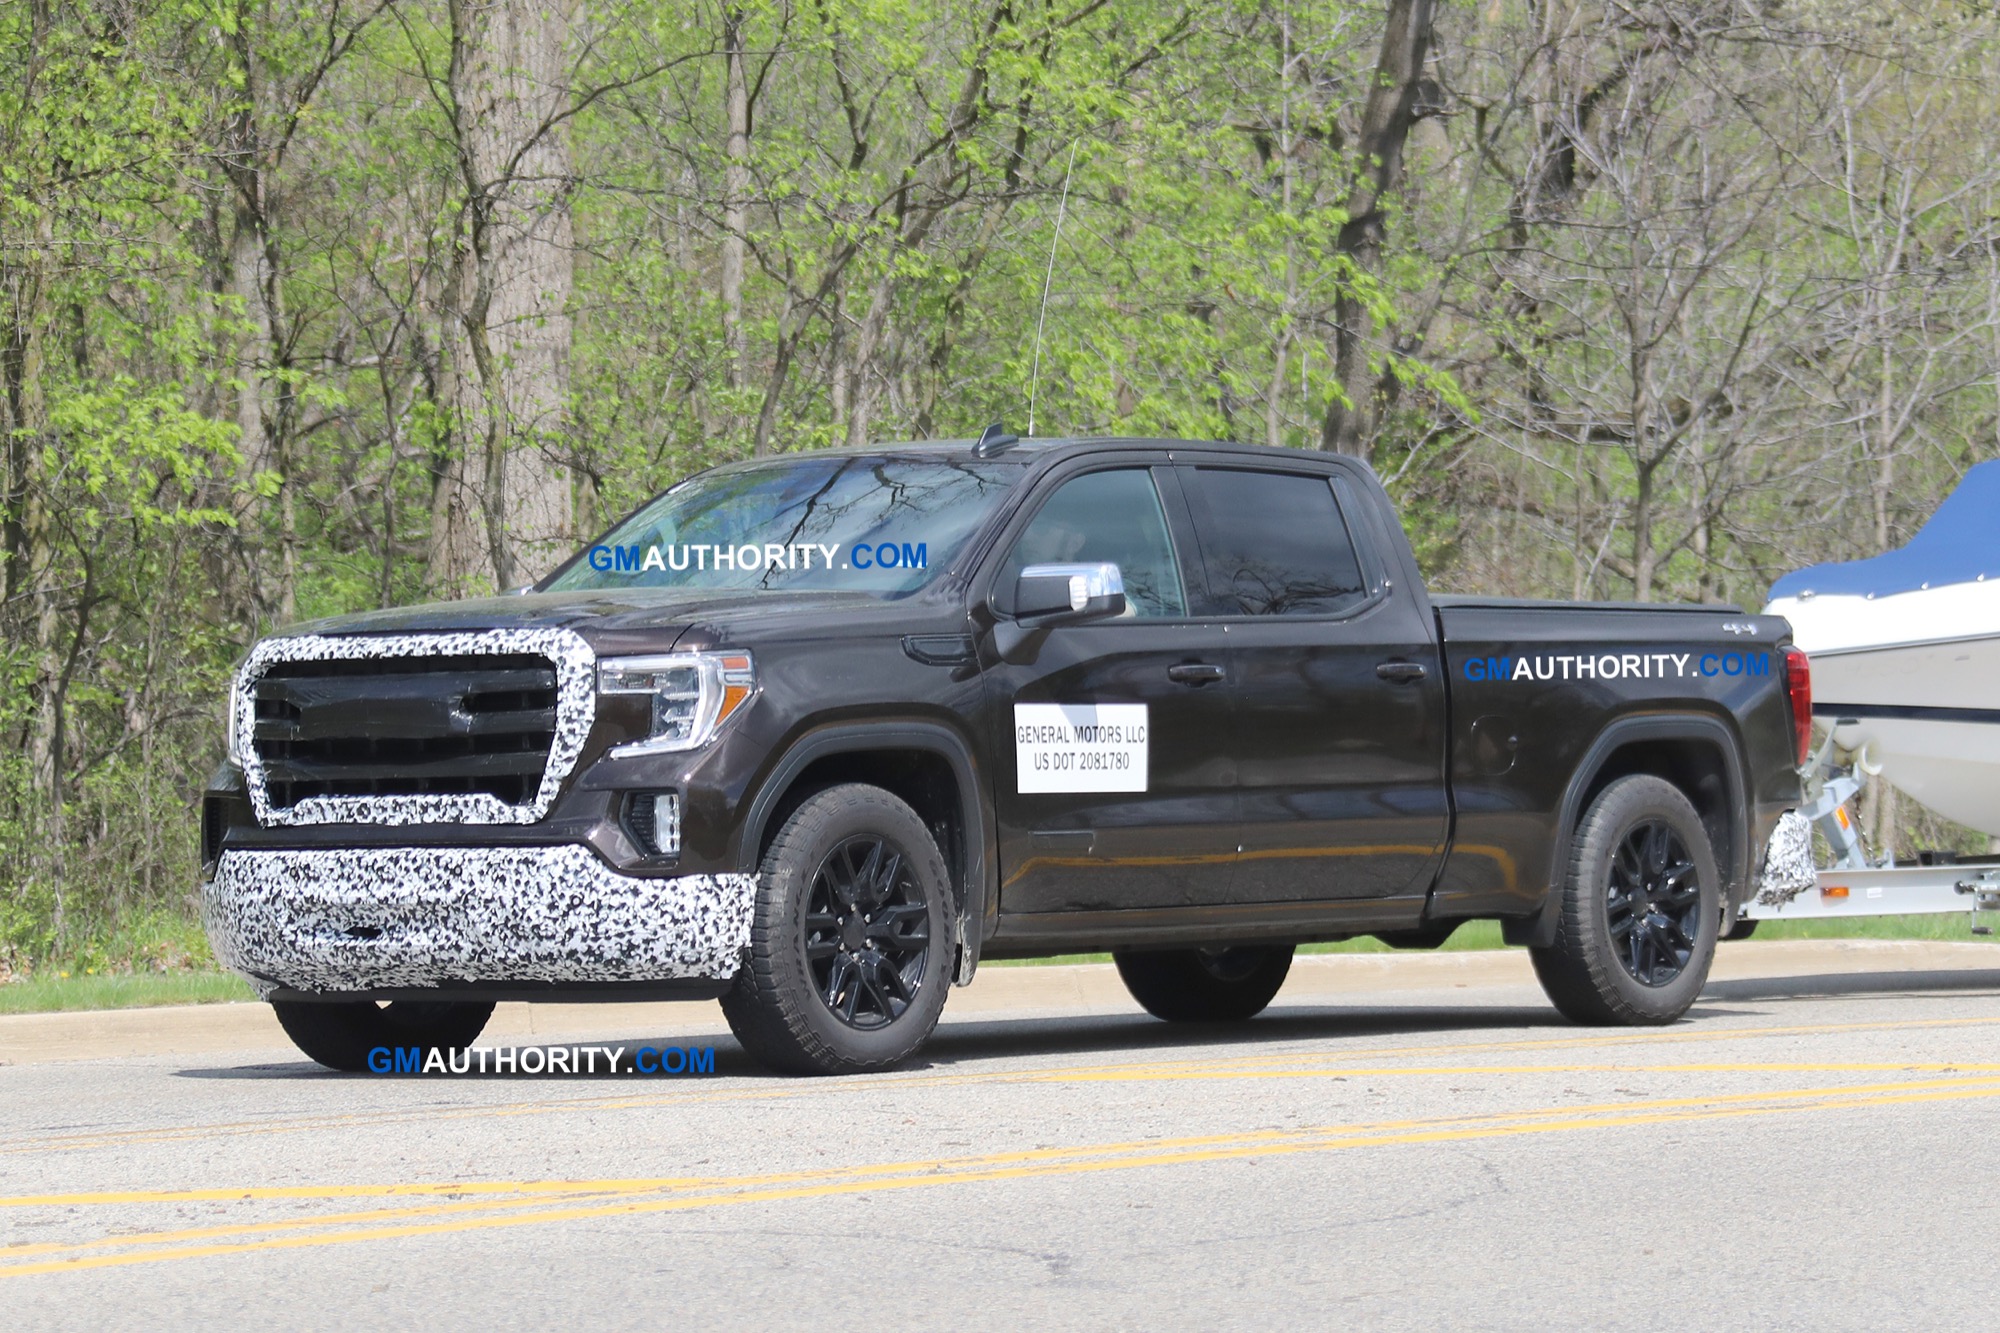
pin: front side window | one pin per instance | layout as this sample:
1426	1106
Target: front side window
1107	516
1274	544
848	523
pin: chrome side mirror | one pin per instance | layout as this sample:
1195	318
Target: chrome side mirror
1068	594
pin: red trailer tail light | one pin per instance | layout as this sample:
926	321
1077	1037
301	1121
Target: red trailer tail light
1798	692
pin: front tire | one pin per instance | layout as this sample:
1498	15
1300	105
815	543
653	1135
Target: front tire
1641	909
340	1034
1205	985
850	944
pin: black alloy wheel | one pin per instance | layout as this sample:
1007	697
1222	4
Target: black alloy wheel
1639	910
1652	904
867	937
851	939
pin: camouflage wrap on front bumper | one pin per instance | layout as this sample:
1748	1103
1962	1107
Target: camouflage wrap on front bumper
358	919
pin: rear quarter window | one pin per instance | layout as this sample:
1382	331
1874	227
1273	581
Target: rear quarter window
1274	543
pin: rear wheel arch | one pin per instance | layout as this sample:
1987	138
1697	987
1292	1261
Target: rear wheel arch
1700	755
1640	912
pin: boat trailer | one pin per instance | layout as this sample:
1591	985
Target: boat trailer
1935	884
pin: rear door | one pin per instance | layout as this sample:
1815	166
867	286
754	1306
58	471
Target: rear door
1337	736
1112	774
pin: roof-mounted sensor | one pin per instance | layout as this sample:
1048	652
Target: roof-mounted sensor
993	440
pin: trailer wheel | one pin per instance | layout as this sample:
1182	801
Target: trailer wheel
1205	985
340	1034
851	938
1640	909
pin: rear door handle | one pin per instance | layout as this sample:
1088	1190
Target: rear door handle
1402	673
1194	673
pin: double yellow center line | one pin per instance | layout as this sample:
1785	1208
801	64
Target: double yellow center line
462	1207
1286	1060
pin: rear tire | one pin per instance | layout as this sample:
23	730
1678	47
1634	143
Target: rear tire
851	941
340	1034
1641	909
1205	985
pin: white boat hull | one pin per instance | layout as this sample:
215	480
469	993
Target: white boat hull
1914	679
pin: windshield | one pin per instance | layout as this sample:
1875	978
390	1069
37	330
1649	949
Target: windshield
880	524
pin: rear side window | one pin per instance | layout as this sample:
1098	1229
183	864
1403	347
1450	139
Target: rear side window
1274	544
1108	516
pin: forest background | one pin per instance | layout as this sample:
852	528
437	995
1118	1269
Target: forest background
309	306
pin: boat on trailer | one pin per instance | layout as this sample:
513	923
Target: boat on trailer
1905	653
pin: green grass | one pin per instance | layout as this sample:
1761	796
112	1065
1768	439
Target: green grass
1957	926
50	991
1471	935
1486	935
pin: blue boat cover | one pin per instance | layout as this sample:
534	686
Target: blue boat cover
1959	544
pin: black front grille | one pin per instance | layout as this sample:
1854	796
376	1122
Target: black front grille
406	726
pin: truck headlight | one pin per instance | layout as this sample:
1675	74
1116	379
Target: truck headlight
233	738
693	694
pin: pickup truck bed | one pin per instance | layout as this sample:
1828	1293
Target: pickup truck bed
1696	695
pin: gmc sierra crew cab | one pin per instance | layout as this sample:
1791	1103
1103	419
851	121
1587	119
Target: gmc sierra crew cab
815	734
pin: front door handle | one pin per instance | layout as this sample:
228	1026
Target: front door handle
1194	673
1403	673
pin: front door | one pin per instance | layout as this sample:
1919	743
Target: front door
1338	733
1113	783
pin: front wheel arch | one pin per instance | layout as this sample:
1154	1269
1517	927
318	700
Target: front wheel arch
855	752
853	903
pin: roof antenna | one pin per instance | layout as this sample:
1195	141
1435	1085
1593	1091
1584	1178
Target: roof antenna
1035	379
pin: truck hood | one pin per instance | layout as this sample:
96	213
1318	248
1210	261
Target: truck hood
642	619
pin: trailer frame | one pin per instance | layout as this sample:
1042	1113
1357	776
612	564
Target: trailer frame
1935	884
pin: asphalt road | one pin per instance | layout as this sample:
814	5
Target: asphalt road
1401	1147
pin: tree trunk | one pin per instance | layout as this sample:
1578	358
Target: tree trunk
503	511
1274	395
263	414
21	420
253	344
273	91
735	189
946	330
781	367
37	575
1353	416
1885	438
861	374
1645	560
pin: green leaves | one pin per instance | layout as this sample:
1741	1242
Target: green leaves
126	450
